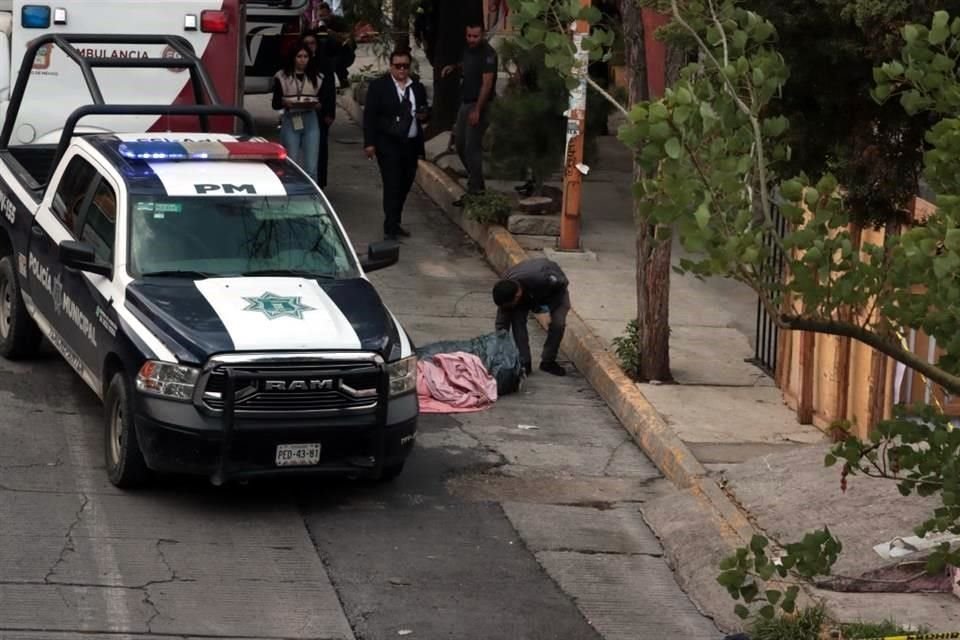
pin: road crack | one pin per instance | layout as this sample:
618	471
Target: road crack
613	455
57	462
68	544
502	460
166	563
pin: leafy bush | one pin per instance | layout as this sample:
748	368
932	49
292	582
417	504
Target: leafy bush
806	625
627	348
527	126
489	207
811	623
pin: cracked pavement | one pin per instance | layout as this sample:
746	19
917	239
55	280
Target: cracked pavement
492	530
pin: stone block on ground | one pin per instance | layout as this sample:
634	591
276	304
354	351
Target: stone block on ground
538	205
523	224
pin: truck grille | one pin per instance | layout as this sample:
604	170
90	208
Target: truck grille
327	388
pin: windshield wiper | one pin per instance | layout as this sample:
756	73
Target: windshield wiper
177	273
290	272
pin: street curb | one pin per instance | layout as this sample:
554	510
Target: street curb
580	344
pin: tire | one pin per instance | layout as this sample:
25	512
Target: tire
391	471
125	464
19	334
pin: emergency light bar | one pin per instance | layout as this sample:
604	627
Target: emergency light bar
202	150
35	16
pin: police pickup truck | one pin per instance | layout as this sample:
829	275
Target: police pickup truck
203	287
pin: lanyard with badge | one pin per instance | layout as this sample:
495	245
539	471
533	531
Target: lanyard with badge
297	117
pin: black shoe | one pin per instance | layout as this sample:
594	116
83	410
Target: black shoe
402	232
553	368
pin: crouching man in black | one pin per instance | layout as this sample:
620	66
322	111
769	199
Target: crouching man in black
537	286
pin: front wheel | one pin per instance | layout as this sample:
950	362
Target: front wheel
125	465
19	334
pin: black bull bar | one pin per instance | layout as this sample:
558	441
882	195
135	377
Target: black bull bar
237	375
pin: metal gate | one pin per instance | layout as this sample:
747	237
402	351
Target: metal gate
768	333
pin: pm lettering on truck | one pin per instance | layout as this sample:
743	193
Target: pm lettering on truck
204	189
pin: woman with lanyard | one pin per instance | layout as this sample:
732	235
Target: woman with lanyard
296	90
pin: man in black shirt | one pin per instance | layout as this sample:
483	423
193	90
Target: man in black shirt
340	43
479	69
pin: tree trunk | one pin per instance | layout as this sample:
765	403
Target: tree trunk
653	251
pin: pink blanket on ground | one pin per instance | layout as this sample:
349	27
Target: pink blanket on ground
454	383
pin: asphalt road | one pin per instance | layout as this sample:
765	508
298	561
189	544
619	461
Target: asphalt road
494	530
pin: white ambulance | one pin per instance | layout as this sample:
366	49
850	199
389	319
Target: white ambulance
214	29
272	27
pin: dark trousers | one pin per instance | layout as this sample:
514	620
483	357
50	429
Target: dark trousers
558	324
323	159
469	143
398	169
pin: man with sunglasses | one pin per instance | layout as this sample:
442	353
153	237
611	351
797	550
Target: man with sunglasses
393	116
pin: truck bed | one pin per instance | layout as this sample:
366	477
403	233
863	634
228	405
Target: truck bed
31	164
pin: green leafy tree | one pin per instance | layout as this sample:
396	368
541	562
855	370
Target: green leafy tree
714	154
874	150
528	128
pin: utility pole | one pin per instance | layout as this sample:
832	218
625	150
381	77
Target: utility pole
574	169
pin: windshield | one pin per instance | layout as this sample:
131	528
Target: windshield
232	236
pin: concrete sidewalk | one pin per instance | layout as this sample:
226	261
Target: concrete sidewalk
722	432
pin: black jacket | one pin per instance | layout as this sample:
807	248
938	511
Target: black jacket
382	107
544	284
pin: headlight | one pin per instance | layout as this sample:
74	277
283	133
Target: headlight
167	380
403	376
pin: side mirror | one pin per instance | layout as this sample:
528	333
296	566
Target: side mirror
380	255
81	256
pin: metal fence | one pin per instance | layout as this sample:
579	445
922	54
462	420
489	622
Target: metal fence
768	333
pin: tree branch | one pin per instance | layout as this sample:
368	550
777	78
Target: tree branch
946	380
590	81
706	50
723	33
609	98
747	111
761	162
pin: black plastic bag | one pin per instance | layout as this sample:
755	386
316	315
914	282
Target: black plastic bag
497	351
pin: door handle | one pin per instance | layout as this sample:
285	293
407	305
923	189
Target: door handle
37	231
